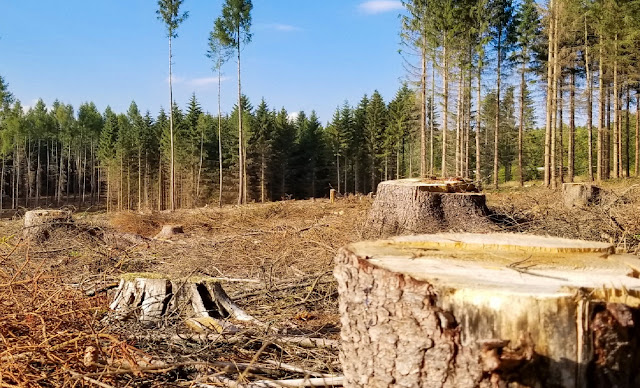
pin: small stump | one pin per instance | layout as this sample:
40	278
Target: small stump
153	297
38	224
413	206
474	310
169	231
579	194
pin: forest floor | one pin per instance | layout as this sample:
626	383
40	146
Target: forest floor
56	328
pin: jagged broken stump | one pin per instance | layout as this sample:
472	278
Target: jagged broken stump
153	297
413	206
488	310
38	224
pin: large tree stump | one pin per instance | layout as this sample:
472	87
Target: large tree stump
413	206
169	231
579	194
153	297
38	224
474	310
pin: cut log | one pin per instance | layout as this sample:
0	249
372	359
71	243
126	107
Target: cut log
169	231
413	206
38	224
487	310
580	194
153	297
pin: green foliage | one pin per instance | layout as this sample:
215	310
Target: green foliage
169	13
233	28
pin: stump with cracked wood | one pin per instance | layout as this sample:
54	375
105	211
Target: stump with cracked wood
413	206
153	297
488	310
580	194
38	224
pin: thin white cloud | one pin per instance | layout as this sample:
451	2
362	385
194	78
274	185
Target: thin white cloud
205	81
175	79
285	27
380	6
280	27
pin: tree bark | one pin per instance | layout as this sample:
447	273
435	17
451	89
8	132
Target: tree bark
409	206
601	102
523	86
497	115
572	127
461	310
549	105
589	86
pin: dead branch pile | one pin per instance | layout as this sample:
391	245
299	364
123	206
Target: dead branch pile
541	211
275	260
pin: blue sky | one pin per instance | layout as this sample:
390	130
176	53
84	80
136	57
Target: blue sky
305	54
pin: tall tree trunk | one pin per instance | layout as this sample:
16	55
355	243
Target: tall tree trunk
561	126
160	184
263	167
139	179
478	125
572	126
601	102
497	114
220	135
2	184
587	61
523	86
172	173
423	109
458	149
445	107
616	110
431	114
607	136
38	177
200	164
554	105
637	165
549	119
241	164
627	135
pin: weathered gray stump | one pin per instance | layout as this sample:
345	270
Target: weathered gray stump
169	231
153	297
579	194
497	310
414	206
38	224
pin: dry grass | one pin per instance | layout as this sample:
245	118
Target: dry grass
47	323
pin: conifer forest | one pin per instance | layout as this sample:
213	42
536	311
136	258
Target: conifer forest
495	91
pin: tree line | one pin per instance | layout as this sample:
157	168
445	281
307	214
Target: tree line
476	71
565	50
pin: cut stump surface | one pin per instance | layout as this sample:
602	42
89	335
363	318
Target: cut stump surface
169	231
579	194
38	224
414	206
477	310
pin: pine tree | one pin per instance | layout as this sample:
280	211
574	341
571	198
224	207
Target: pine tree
232	31
376	123
169	12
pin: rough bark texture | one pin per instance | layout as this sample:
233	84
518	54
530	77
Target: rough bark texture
429	311
38	224
410	206
579	194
